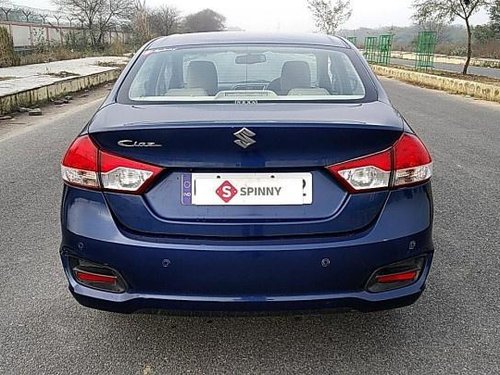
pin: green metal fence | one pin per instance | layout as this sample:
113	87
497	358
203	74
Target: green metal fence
424	54
384	49
378	49
352	39
371	49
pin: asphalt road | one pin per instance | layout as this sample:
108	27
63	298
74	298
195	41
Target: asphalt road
453	329
457	68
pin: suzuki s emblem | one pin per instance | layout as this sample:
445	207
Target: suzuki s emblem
244	138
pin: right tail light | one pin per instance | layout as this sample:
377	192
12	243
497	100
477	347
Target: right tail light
406	163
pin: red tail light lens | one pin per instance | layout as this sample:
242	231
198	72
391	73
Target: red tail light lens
79	165
412	161
85	165
408	162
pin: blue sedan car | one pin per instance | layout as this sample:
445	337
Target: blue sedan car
239	172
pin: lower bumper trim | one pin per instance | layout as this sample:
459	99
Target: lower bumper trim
382	301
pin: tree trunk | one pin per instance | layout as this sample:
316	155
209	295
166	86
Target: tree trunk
469	46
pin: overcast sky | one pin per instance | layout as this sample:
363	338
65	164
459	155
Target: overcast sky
287	15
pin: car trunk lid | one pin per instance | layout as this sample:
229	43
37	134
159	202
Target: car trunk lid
190	145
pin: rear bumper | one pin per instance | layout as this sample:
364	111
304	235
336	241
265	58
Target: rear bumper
321	299
192	305
249	276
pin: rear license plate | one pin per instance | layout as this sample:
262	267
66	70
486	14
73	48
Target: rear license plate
246	189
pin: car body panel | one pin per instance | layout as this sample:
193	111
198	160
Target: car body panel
247	258
203	39
166	270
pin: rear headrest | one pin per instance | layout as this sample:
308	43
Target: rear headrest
202	75
294	75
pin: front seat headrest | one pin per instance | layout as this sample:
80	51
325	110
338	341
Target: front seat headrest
295	75
202	74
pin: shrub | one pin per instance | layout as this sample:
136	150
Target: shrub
489	49
7	55
116	48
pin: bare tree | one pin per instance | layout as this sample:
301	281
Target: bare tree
98	16
165	20
449	10
328	15
205	20
141	25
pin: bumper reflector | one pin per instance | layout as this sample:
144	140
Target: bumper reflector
87	277
97	276
395	277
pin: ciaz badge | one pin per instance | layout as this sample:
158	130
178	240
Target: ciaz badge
131	143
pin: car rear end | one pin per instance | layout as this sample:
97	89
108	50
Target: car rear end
243	196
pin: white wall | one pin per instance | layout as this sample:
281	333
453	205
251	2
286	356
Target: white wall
26	35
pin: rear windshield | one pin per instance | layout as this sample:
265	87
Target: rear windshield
247	73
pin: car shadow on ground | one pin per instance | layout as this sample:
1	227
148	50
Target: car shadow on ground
348	338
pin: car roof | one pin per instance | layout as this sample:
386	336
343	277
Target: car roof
243	37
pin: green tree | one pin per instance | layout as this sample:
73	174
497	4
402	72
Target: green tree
494	12
483	33
329	16
432	22
203	21
450	10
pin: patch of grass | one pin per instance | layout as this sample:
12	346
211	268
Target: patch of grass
111	64
62	74
445	73
58	53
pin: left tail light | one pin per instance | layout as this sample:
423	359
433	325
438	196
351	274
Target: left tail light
86	166
406	163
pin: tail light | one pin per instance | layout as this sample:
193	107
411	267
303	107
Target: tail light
122	174
86	166
79	166
412	161
406	163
